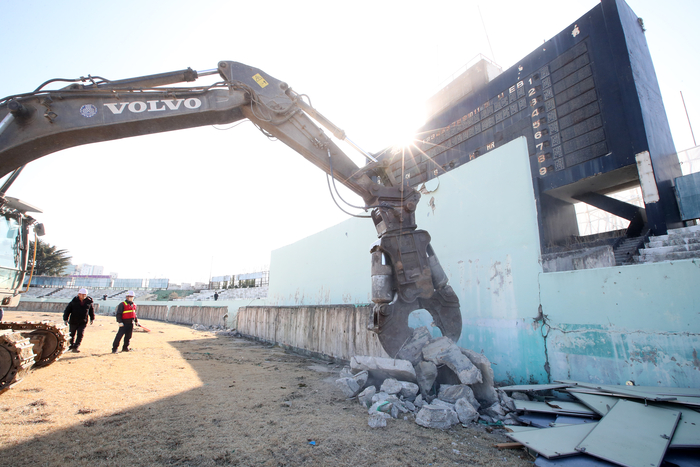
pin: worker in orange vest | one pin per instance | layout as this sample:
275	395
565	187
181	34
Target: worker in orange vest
126	317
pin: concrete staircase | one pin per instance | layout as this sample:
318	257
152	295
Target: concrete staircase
683	243
627	250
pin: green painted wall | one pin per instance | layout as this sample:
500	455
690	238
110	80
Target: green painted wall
612	325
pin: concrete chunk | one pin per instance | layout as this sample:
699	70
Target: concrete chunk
451	393
361	378
349	386
408	390
520	396
412	350
466	412
380	406
346	372
483	391
365	397
495	411
431	416
426	372
383	368
377	420
443	351
391	386
439	403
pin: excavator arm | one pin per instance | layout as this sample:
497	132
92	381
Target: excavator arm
406	275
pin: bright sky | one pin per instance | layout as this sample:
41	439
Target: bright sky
187	204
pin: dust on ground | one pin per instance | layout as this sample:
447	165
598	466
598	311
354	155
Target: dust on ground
192	398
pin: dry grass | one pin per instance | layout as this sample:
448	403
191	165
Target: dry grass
188	398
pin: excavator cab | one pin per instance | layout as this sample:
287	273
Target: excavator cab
23	345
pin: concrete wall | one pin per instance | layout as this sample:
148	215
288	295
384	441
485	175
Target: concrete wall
611	325
482	219
220	313
338	331
52	307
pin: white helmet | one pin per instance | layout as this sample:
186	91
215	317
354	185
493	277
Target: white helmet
84	291
130	293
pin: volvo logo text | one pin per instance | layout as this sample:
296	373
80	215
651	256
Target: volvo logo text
154	106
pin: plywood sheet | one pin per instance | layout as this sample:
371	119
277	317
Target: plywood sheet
623	390
534	387
687	434
553	442
555	407
632	434
599	404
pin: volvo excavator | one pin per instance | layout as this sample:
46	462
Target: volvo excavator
405	272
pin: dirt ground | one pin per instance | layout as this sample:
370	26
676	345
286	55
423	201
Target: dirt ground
192	398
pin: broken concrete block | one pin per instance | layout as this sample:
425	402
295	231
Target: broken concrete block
361	378
391	386
486	418
394	410
506	402
380	397
408	390
519	396
509	420
365	397
444	351
495	411
433	416
346	372
452	392
483	391
439	403
419	402
412	350
466	412
377	420
402	406
380	406
426	372
349	386
383	368
409	405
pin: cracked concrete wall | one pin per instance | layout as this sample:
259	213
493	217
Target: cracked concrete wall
612	325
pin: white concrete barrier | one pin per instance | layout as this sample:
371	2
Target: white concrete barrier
338	331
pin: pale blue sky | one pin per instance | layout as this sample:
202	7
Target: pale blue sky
165	205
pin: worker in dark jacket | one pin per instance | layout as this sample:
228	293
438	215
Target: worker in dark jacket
76	316
126	317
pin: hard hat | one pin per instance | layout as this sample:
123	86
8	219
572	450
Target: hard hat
82	291
130	293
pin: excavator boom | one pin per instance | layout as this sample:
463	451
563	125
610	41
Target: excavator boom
406	275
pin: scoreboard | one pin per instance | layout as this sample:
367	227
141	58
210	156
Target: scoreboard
587	101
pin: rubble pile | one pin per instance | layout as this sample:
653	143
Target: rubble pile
434	381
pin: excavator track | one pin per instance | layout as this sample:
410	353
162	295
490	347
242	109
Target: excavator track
16	358
48	339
